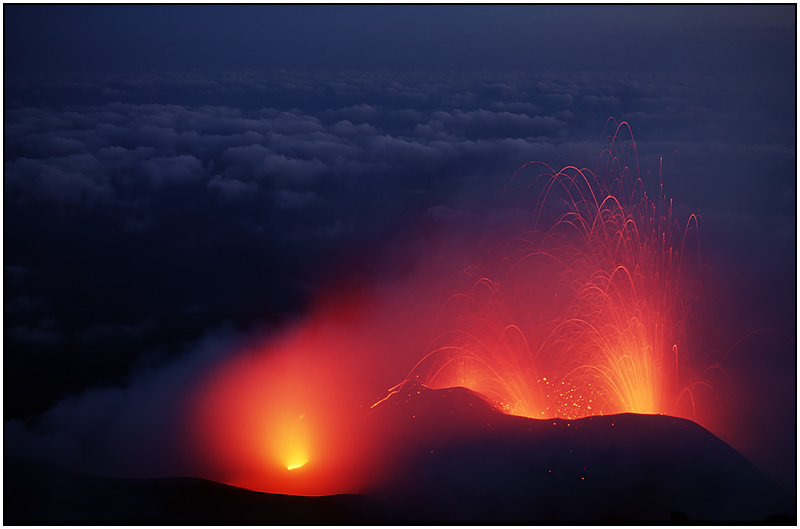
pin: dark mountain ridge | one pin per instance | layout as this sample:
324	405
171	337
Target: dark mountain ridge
465	460
452	457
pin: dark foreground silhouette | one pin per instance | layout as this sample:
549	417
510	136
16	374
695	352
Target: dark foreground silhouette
457	460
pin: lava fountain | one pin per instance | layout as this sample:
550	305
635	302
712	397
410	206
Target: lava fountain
582	308
577	306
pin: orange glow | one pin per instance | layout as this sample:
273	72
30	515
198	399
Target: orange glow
287	414
278	418
296	461
581	309
290	441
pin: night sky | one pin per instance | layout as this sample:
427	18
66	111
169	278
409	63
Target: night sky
182	180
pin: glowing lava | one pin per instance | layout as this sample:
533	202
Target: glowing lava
290	440
296	461
582	308
278	417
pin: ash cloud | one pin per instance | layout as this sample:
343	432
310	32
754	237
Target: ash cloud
136	429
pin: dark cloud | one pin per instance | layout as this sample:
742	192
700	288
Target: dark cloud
420	141
43	335
231	188
134	429
172	171
23	303
107	334
15	273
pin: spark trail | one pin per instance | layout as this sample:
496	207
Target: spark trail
582	308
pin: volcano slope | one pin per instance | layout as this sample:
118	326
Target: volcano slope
463	460
40	494
449	456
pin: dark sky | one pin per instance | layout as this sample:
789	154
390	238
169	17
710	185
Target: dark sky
700	39
178	178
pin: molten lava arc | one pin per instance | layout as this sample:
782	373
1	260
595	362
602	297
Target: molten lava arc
580	307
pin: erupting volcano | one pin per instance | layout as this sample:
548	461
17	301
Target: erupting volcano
582	309
578	308
370	264
562	360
